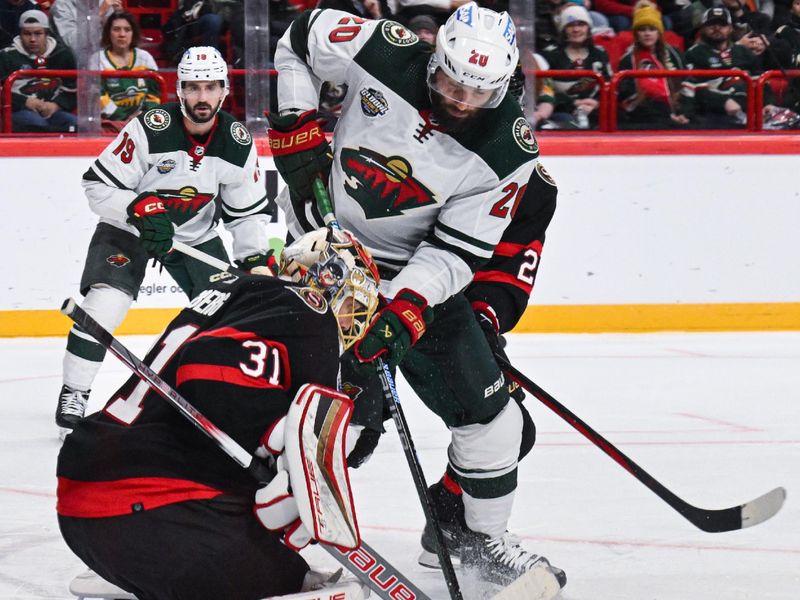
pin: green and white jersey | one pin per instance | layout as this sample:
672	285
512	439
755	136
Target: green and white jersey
198	180
429	204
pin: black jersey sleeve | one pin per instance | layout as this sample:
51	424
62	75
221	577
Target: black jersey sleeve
506	281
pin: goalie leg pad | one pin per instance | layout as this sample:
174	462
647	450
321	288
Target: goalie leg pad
314	455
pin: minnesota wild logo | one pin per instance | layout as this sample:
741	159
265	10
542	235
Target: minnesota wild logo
185	203
383	186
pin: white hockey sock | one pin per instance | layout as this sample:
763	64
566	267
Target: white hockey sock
108	306
485	458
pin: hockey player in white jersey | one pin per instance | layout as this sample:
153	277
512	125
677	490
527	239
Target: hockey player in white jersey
429	158
170	174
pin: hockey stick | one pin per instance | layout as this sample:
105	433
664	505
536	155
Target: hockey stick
713	521
364	562
393	400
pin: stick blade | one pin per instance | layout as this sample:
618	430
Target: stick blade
537	584
763	508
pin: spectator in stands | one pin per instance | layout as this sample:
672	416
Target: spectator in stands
439	9
785	45
367	9
618	12
717	102
39	104
122	98
576	100
204	23
600	22
751	21
64	15
425	26
649	102
10	12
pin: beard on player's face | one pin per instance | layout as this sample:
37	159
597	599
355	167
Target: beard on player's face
449	116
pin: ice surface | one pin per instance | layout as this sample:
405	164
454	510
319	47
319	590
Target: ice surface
714	417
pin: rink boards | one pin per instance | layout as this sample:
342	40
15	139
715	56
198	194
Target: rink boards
667	234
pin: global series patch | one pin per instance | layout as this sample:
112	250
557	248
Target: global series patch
165	166
373	103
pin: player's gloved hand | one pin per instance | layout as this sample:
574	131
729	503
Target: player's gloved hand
275	505
490	324
301	151
260	264
395	328
148	214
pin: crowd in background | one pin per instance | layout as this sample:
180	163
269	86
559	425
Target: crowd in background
603	36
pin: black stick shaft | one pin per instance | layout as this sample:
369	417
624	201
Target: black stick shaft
712	521
396	410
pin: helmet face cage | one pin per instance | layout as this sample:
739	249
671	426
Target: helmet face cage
201	63
347	277
477	49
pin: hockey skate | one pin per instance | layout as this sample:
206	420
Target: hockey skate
450	511
71	408
503	561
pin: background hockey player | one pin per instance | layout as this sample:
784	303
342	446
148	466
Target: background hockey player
429	158
169	173
152	505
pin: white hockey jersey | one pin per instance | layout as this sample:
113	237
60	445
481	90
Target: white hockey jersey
199	182
428	204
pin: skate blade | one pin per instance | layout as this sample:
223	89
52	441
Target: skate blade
430	560
537	584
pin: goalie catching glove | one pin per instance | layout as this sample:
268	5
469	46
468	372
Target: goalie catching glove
148	214
301	151
310	497
396	328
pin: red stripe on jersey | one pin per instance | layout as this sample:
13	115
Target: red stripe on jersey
227	332
501	277
224	374
97	499
509	249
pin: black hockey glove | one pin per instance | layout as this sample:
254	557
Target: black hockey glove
395	329
260	264
300	150
490	325
148	214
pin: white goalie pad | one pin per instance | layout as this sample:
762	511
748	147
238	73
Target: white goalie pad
314	455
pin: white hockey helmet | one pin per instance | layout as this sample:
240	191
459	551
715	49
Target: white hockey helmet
337	265
202	63
477	48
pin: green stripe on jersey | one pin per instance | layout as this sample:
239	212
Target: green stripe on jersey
460	235
110	176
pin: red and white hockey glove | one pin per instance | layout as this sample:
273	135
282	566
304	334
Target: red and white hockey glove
301	151
396	328
149	215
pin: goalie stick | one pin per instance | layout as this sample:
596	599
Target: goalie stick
364	562
398	416
710	520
